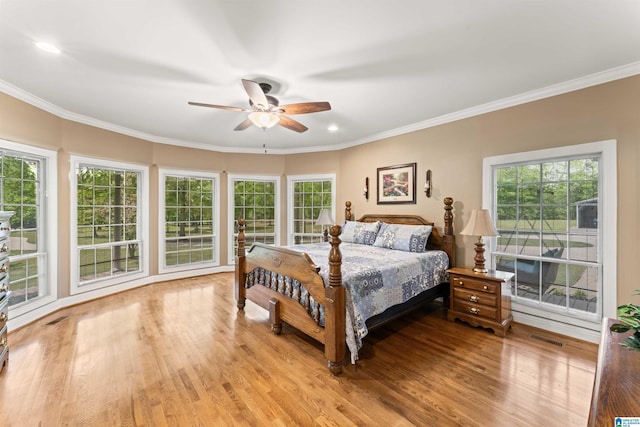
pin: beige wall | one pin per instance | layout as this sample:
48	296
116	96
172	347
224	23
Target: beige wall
453	152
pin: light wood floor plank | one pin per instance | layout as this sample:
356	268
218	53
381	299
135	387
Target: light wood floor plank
180	354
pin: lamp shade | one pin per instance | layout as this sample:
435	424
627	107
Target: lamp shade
480	224
264	119
324	218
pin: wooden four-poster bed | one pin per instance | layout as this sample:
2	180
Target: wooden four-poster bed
310	294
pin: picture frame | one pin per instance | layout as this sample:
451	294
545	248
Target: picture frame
397	184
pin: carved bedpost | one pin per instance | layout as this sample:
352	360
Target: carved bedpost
240	267
347	210
335	311
449	240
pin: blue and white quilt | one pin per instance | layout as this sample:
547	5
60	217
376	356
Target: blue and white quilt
377	278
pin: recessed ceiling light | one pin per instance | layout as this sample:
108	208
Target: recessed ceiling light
47	47
333	128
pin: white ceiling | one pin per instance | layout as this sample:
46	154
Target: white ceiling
385	67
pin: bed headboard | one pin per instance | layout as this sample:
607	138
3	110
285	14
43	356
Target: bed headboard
444	242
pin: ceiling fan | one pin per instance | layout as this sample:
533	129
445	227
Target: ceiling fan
266	111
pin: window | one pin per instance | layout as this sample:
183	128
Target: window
189	224
307	196
256	200
108	240
28	188
551	209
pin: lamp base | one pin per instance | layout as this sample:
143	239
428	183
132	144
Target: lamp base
479	258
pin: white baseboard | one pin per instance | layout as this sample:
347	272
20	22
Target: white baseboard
557	327
31	316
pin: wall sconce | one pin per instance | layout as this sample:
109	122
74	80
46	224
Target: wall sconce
427	184
366	188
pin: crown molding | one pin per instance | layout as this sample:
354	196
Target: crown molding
606	76
535	95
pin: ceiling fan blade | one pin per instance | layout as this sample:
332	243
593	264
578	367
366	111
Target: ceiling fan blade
255	93
245	124
305	107
292	124
221	107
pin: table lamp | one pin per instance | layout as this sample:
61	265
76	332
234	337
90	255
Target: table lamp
480	224
325	219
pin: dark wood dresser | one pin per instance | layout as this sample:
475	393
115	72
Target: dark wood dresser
4	286
617	383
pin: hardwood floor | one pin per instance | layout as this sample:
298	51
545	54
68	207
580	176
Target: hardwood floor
180	354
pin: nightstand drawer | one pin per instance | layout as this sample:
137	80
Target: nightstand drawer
473	309
473	296
4	311
3	338
476	285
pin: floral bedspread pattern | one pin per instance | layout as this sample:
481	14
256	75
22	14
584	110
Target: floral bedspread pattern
376	279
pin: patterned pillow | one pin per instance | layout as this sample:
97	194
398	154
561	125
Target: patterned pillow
359	232
403	237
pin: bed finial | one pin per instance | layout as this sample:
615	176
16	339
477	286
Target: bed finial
448	216
335	256
335	343
241	225
347	210
449	239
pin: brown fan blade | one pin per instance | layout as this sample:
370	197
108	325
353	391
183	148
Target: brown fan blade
255	93
245	124
221	107
292	124
305	107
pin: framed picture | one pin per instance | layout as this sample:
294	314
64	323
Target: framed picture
397	184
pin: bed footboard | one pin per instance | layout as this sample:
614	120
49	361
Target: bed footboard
260	277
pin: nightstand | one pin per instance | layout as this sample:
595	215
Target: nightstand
481	299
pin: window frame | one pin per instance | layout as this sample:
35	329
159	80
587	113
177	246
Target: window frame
142	223
48	230
162	175
231	230
587	327
291	181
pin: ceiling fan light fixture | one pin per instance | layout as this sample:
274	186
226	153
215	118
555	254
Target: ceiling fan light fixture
47	47
264	119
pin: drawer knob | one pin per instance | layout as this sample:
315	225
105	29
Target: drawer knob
485	287
3	317
4	248
4	288
473	298
474	310
3	269
3	342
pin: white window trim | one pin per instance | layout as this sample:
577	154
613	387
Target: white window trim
162	174
143	221
607	214
49	226
231	205
291	180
